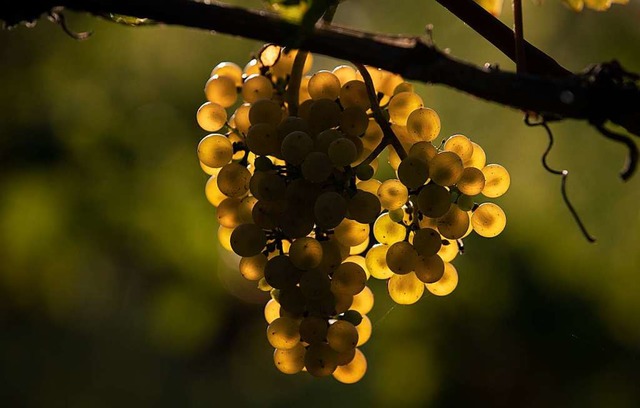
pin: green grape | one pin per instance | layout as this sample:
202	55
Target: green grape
263	164
427	241
429	269
290	361
497	180
413	172
296	146
265	287
370	186
434	200
330	209
213	193
267	186
354	371
472	181
331	256
315	284
388	232
364	330
324	85
449	250
233	180
348	279
372	136
392	194
363	301
283	333
256	87
358	249
354	121
365	172
211	117
460	145
215	150
279	272
446	168
342	152
252	267
488	220
221	90
402	258
320	360
316	167
454	224
262	139
465	202
478	159
405	289
344	73
224	237
271	311
342	336
403	87
248	240
401	106
354	94
376	260
447	283
352	316
313	329
325	138
291	124
376	77
358	259
424	124
265	111
323	114
228	212
305	253
351	233
423	150
388	82
397	215
229	70
292	301
241	118
212	171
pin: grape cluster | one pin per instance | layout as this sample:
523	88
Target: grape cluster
293	182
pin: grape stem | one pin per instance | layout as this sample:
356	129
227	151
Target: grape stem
293	91
389	137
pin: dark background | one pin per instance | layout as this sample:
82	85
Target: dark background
115	292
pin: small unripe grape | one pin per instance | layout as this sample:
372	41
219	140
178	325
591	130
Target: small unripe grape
256	87
221	90
392	194
497	180
401	106
424	124
488	220
324	84
446	168
405	289
211	117
447	283
364	172
215	150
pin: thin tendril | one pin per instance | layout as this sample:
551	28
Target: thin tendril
632	155
563	173
384	316
59	19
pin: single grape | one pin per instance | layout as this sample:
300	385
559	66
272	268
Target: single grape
446	168
472	181
351	233
248	240
215	150
354	94
413	172
348	279
354	121
262	139
388	232
447	283
230	70
424	124
342	152
305	253
265	111
392	194
454	224
211	117
488	220
460	145
221	90
354	371
434	200
497	180
283	333
290	361
320	360
402	258
228	215
252	267
376	261
342	336
256	87
324	85
429	269
233	180
344	73
427	241
296	146
405	289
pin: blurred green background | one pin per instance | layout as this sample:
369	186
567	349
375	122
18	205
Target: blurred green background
115	292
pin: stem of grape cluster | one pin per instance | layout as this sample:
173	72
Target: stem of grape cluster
389	137
293	91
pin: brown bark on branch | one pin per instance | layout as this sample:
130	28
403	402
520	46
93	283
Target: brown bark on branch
585	96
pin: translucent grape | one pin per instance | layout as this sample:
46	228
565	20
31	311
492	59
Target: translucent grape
472	181
402	105
405	289
427	241
262	139
372	135
388	232
429	269
313	329
447	283
497	180
478	158
252	68
284	65
324	85
364	207
233	180
320	360
283	333
211	117
358	249
271	311
342	336
215	150
402	258
344	73
488	220
424	124
248	240
305	253
392	194
241	118
224	237
446	168
388	82
316	167
370	186
256	87
460	145
342	152
413	172
229	70
363	301
265	111
228	215
354	371
252	267
221	90
354	93
290	361
351	233
376	260
434	200
267	214
296	146
403	87
454	224
269	55
348	279
213	193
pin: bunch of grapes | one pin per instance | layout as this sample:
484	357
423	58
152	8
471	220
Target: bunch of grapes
292	176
